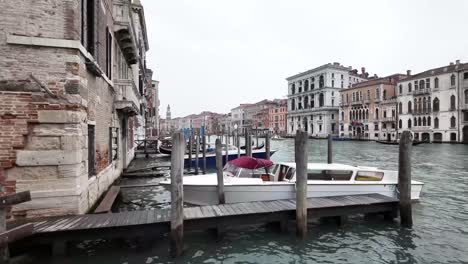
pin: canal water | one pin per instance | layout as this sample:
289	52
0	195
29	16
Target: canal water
439	234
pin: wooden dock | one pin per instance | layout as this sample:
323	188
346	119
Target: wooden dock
152	222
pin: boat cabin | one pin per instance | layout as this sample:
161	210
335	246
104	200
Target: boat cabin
286	172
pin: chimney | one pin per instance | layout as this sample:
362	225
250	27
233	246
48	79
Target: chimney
336	63
451	64
363	71
408	72
457	62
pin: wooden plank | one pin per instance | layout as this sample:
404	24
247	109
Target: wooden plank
223	210
15	198
106	204
198	212
217	210
16	233
207	212
246	208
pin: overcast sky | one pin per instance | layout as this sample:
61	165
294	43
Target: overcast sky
215	54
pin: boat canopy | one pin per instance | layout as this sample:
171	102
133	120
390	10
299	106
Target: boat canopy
250	163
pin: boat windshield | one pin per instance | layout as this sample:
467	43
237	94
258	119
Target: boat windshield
231	170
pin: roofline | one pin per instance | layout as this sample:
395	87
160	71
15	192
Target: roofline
325	66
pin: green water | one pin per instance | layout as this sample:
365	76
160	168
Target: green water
439	235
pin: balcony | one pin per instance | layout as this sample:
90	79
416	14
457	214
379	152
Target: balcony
425	91
422	111
124	33
127	100
388	119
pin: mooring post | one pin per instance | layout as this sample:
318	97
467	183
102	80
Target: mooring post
177	194
248	146
190	142
227	148
219	171
256	135
267	146
300	147
238	145
4	252
197	151
204	154
404	178
246	140
330	149
146	147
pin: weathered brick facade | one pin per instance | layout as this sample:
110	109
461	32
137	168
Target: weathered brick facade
45	145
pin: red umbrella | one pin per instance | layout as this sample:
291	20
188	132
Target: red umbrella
251	163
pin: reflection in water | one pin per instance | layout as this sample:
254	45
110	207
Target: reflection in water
439	234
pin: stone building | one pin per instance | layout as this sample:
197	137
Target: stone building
313	98
368	109
72	86
433	104
152	118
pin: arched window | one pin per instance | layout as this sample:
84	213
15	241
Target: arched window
306	102
351	115
429	121
360	115
435	105
409	87
436	82
305	124
321	100
385	94
306	85
409	123
436	122
452	80
342	115
424	121
312	101
452	102
424	105
453	122
400	108
299	103
312	83
415	121
377	114
293	88
300	87
415	106
421	84
384	114
293	104
400	89
367	114
419	121
321	81
409	107
400	124
419	105
466	96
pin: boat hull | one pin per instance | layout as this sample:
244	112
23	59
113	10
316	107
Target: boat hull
207	194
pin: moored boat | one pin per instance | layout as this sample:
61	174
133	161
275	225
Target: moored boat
415	143
247	179
277	137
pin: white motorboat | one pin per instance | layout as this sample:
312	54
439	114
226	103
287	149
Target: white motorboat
246	183
277	137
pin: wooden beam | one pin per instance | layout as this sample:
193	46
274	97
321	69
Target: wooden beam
15	198
177	195
301	157
219	171
330	149
404	178
16	233
106	204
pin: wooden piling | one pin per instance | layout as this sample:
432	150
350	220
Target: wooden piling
248	146
301	157
238	145
267	146
4	252
197	151
404	178
219	171
330	149
227	152
204	154
256	135
177	195
190	150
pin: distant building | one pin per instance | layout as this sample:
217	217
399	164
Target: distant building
313	98
434	104
368	109
278	118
